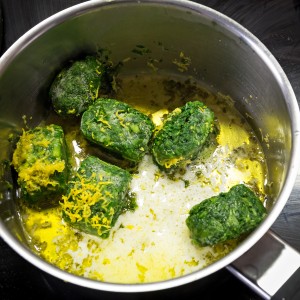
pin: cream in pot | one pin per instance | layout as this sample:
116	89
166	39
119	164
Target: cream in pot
153	243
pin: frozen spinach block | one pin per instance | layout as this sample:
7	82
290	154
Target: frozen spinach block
226	216
117	127
77	86
96	197
183	135
40	159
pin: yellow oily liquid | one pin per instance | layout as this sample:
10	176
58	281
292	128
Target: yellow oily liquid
152	243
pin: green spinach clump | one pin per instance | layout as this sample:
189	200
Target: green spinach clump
76	87
183	135
226	216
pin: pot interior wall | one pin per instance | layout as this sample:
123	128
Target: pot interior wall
221	58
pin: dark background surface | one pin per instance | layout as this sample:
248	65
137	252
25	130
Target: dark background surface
277	24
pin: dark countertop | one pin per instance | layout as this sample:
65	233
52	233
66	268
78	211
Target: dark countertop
277	24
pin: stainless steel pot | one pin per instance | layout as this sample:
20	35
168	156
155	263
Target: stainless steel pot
223	55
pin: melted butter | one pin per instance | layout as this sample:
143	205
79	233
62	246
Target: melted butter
152	243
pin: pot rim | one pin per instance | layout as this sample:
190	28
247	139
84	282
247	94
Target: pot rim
291	101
